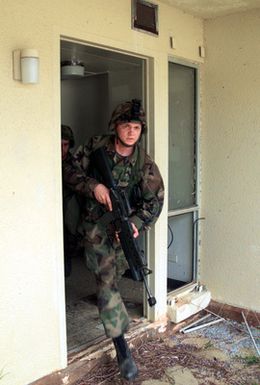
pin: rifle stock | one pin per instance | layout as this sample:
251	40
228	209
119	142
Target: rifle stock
134	256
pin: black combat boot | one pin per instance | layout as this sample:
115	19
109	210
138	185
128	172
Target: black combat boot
127	366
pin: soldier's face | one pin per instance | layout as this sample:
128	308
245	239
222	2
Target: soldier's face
129	133
65	146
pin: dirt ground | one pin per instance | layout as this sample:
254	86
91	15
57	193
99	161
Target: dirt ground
220	354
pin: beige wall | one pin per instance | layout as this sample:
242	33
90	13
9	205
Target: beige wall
32	323
230	262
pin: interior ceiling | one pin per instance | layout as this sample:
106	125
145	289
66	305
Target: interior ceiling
97	60
213	8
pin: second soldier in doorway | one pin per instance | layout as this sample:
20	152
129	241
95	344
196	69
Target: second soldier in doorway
135	172
73	182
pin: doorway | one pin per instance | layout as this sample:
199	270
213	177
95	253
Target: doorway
87	100
183	176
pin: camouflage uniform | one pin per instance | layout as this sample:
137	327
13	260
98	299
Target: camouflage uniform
141	179
73	181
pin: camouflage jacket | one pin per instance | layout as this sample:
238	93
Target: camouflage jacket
73	182
73	178
137	174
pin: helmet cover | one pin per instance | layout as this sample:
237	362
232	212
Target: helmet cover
130	111
67	134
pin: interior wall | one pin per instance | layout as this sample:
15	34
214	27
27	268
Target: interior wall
124	85
230	160
87	104
82	101
32	303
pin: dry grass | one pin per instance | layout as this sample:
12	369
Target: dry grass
154	354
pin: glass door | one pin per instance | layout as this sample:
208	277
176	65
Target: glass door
183	207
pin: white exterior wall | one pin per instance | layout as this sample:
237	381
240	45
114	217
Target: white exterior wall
230	258
32	308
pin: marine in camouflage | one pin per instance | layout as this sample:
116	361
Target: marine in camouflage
140	178
71	177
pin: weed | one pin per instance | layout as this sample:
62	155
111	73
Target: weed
251	360
2	374
208	345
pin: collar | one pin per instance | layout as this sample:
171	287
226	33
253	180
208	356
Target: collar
110	147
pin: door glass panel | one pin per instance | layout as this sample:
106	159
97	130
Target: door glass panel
182	146
182	175
180	250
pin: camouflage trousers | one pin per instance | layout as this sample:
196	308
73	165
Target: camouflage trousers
106	260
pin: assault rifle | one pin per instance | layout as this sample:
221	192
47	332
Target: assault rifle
120	217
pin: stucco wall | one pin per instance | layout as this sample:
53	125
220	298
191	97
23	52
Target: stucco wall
32	323
230	263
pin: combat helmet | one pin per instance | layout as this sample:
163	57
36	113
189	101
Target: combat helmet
67	134
128	112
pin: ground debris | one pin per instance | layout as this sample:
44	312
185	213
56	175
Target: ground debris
155	354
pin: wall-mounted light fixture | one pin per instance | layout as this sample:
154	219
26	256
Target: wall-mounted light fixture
26	66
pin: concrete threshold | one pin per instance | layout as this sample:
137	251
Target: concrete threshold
81	362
